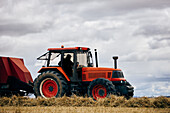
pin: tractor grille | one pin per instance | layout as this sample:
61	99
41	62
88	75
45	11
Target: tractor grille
97	75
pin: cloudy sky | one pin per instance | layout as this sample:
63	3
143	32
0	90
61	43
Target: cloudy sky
138	31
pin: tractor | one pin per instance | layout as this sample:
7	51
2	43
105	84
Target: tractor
70	70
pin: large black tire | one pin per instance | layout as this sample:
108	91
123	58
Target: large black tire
130	90
101	88
50	84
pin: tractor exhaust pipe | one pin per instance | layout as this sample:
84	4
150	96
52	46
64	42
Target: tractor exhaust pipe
96	57
115	61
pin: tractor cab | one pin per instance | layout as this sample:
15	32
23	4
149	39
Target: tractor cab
71	60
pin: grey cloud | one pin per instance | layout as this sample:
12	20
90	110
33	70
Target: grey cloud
163	38
163	79
7	44
150	55
159	56
135	56
160	42
101	9
154	30
152	89
21	17
153	78
18	29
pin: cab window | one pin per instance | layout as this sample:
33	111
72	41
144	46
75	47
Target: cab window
55	59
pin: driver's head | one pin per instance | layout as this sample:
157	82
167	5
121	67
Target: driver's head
68	56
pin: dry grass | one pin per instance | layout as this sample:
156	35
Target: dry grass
75	101
54	109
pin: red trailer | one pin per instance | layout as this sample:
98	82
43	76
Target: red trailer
14	77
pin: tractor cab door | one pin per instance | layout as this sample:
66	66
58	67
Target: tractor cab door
84	59
73	62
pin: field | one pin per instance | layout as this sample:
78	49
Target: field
77	104
98	109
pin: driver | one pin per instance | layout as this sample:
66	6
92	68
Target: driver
67	65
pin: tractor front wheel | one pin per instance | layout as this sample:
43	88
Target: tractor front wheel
100	88
50	84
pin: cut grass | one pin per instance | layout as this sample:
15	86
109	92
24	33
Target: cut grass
75	101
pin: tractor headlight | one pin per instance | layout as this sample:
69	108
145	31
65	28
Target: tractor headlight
121	81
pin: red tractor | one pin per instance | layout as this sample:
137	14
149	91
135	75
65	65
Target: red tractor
70	70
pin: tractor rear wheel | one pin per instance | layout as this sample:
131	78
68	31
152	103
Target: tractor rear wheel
50	84
100	88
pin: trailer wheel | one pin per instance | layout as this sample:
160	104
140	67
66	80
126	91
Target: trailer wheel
50	84
100	88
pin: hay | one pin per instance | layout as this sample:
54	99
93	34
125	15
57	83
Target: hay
76	101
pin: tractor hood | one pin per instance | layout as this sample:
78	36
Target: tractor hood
91	73
99	69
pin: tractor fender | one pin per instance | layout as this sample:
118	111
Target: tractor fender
54	69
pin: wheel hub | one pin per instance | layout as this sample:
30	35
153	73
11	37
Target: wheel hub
49	88
99	91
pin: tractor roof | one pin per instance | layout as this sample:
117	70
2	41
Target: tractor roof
68	48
